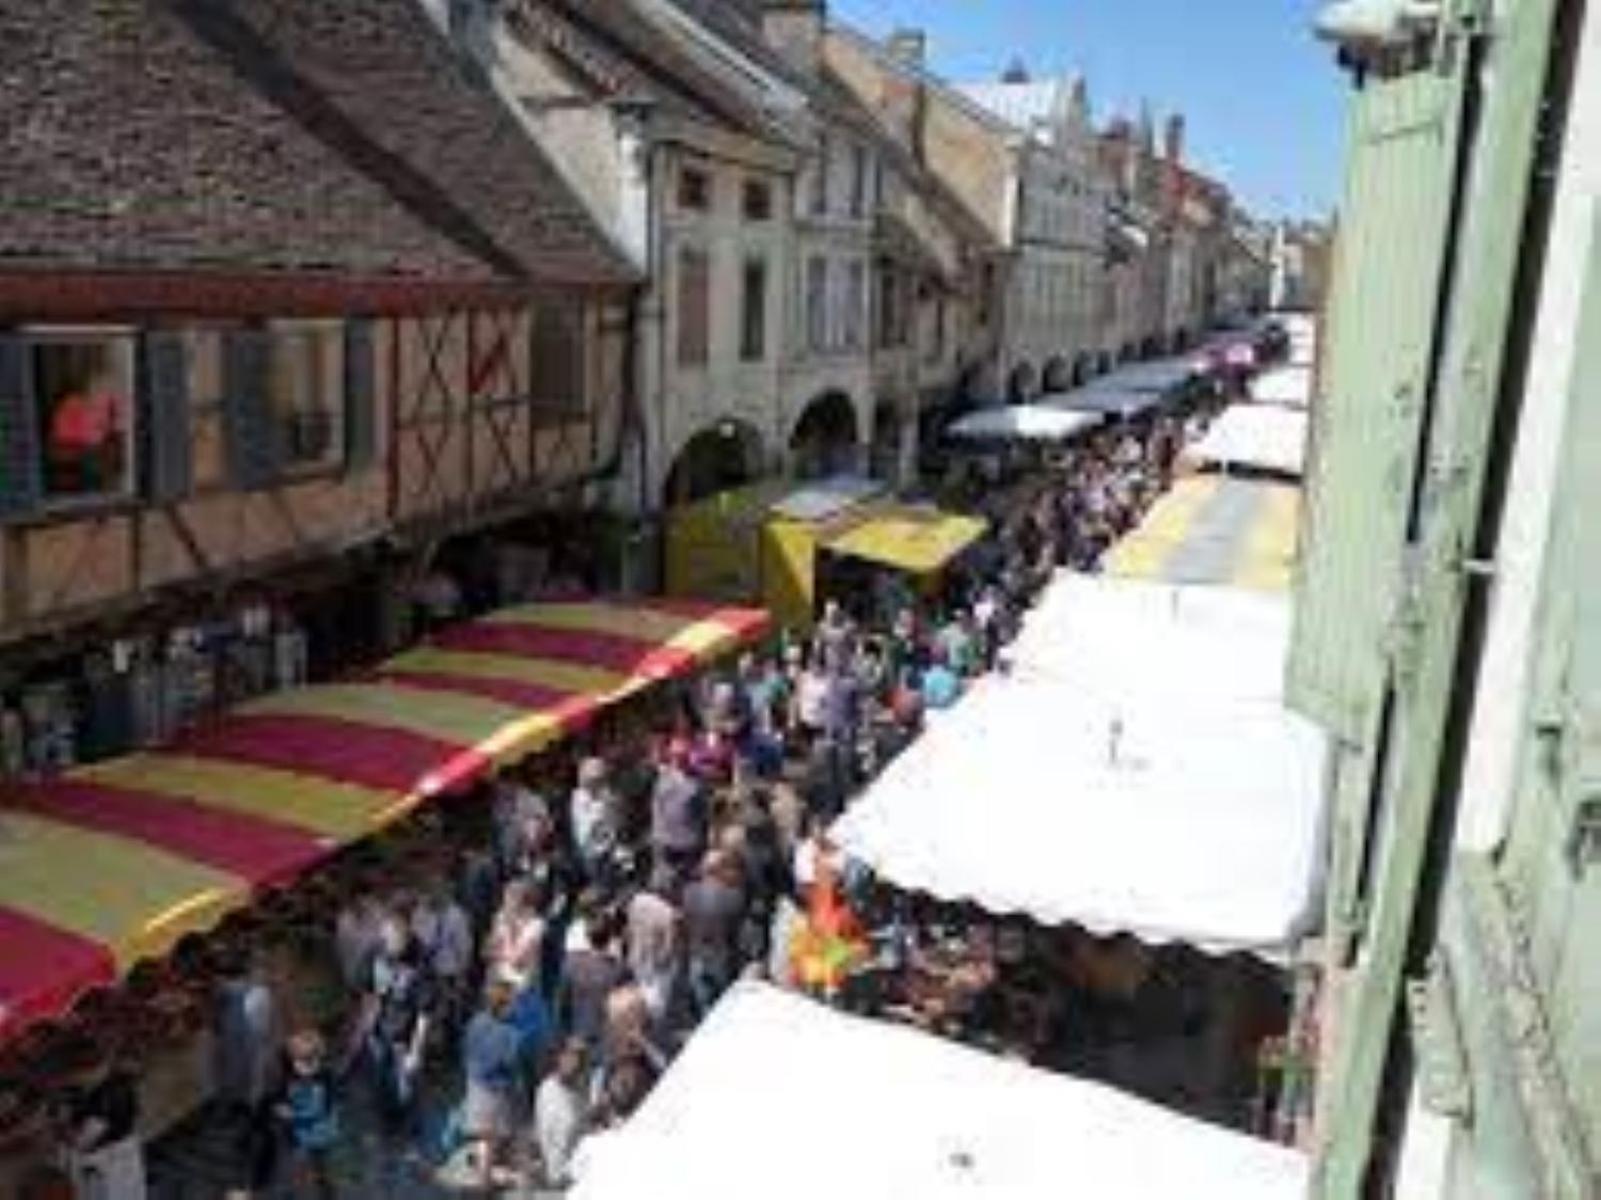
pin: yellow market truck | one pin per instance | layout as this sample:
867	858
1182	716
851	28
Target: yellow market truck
788	545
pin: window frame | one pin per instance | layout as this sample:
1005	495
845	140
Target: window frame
693	355
860	165
54	504
545	407
753	317
817	298
855	306
760	213
332	460
693	190
817	201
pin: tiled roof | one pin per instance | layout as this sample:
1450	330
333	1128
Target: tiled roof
318	137
643	58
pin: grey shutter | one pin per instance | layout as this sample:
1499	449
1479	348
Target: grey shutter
21	480
361	400
252	435
164	425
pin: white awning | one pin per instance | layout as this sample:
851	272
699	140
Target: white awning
825	498
1113	638
1256	436
780	1097
1290	387
1135	770
1023	422
1170	820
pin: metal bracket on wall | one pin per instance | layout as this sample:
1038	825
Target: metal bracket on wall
1583	847
1443	1076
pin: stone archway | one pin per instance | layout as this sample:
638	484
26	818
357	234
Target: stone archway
826	438
976	387
1022	384
716	459
1059	374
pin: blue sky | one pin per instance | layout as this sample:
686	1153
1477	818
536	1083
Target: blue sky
1264	102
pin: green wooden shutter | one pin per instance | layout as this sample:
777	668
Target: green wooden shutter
1552	861
21	481
253	438
361	400
1477	327
164	429
1379	344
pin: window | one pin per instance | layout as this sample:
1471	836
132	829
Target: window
984	310
557	374
83	396
820	181
859	164
305	391
894	308
753	312
936	346
758	201
855	306
817	304
887	285
694	308
694	189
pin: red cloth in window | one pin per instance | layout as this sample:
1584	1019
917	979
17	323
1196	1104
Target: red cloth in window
86	420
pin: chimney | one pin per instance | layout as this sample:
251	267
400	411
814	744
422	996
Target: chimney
1174	144
794	28
908	48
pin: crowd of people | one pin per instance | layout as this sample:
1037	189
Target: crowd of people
538	977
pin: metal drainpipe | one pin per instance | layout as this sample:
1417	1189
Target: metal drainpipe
1400	1065
656	256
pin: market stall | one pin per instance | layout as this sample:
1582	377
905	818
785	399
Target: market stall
894	551
1023	423
1168	820
777	543
1255	437
1113	637
175	839
1108	400
1212	529
872	1111
1288	386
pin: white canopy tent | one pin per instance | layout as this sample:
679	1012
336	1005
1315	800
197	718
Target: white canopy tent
1288	387
1112	638
784	1098
1192	822
1135	770
1023	422
1262	437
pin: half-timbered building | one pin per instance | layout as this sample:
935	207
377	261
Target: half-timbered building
290	302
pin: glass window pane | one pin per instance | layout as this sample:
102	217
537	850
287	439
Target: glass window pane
84	389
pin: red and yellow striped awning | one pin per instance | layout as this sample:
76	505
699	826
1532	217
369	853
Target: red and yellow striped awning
115	862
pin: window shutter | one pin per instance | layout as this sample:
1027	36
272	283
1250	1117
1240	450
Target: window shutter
21	484
163	423
1379	340
252	435
361	399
